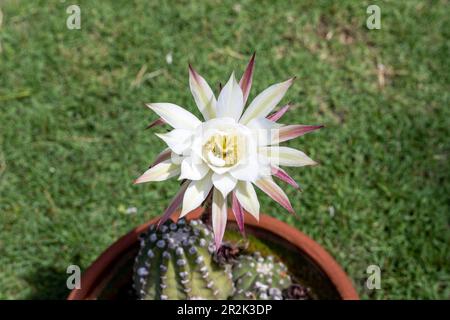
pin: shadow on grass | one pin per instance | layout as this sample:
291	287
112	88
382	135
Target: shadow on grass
49	282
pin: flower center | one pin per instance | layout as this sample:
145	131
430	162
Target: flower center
222	150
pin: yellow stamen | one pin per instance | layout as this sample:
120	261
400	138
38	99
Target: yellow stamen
223	149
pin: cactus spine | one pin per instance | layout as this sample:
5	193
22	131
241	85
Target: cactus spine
177	262
259	278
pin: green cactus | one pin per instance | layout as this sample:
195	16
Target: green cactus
259	278
176	261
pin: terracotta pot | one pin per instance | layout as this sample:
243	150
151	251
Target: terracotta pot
97	276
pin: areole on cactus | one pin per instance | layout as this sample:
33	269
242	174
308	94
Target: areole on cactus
259	278
175	261
229	153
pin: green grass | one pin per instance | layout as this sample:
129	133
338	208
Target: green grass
72	117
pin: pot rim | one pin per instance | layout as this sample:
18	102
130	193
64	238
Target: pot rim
316	252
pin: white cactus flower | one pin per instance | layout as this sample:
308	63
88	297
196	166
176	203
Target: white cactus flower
229	152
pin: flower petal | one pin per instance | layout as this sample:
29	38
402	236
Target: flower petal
162	171
264	130
164	155
224	183
175	116
293	131
157	122
285	156
219	217
247	197
219	170
278	114
238	212
176	158
203	95
176	201
195	194
247	171
283	175
246	81
178	140
231	101
269	187
266	101
193	170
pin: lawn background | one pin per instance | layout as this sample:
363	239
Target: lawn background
72	121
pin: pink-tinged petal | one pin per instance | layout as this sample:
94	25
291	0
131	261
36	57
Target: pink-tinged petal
193	170
203	95
175	116
162	171
264	130
238	212
196	193
266	101
157	122
246	195
178	140
285	156
269	187
246	81
230	102
162	157
225	183
219	217
278	114
293	131
175	204
283	175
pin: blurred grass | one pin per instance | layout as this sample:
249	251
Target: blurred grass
72	116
